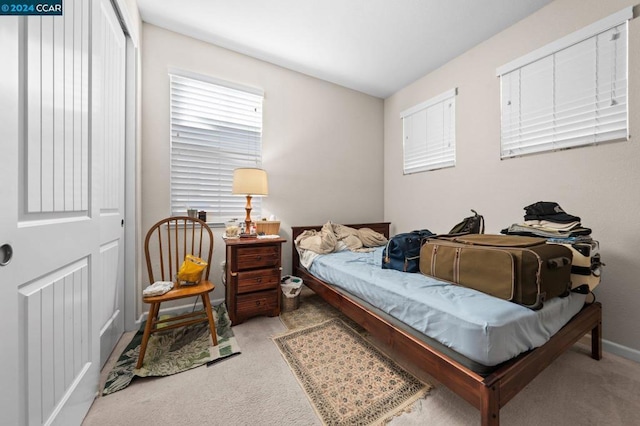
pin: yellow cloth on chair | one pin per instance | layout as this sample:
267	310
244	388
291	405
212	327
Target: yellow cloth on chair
191	269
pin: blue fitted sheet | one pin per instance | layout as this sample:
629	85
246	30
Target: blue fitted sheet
483	328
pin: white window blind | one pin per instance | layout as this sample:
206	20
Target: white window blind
429	134
570	93
214	130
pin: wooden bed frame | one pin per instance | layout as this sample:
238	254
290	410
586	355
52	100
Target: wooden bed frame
489	393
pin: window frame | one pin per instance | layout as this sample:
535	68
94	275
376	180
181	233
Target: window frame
521	134
211	136
429	147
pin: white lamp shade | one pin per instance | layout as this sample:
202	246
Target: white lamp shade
250	181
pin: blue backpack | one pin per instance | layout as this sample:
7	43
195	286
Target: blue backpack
403	251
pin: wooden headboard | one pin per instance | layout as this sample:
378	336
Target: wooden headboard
381	227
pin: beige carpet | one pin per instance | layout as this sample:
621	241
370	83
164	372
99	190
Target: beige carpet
258	388
348	381
253	389
313	310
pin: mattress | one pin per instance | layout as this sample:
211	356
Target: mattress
482	328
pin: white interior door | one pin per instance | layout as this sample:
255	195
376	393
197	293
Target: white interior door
108	135
53	183
9	149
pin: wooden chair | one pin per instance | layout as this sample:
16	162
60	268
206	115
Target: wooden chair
165	247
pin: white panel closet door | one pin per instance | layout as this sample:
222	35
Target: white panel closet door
108	135
9	145
51	219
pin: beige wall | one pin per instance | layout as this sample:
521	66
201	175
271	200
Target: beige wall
322	144
324	147
599	184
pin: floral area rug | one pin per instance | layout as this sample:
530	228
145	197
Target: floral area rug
347	380
174	351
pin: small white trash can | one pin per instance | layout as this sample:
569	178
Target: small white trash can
290	295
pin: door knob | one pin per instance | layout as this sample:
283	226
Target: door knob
6	253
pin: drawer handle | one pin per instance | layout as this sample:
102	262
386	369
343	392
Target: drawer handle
258	302
259	258
259	279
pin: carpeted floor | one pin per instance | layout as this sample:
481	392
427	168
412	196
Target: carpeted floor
313	310
173	351
347	380
255	388
258	388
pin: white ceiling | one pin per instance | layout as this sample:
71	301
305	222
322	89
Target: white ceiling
373	46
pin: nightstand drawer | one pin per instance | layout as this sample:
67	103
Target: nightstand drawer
258	280
258	257
263	302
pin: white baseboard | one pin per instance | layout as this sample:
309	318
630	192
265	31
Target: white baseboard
614	348
623	351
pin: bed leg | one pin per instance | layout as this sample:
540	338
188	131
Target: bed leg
490	410
596	341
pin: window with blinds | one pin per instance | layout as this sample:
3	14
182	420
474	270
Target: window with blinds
429	134
572	92
215	128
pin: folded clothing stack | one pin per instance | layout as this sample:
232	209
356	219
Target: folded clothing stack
548	220
158	288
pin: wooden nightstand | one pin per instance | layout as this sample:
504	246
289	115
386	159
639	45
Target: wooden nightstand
253	270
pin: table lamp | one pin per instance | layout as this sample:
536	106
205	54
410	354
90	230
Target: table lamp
249	182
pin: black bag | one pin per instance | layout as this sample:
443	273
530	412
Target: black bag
470	225
403	251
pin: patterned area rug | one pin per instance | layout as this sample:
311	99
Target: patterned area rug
313	310
174	351
348	380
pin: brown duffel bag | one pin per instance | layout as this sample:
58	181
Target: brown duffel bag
524	270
